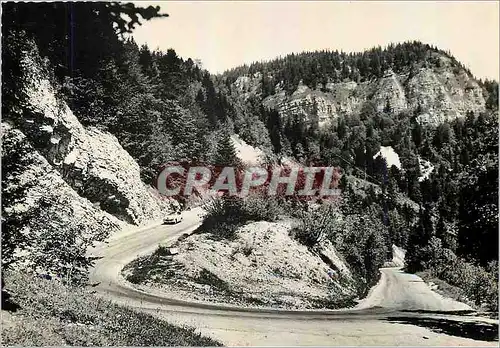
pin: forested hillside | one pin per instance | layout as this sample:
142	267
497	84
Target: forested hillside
82	133
334	108
159	106
327	108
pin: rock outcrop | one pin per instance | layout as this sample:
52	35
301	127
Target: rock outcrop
91	162
31	187
64	186
437	94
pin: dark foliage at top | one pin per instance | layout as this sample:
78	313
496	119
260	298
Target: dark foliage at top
159	106
334	66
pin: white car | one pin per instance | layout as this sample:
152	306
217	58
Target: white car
173	218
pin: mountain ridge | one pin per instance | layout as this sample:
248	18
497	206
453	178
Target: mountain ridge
424	80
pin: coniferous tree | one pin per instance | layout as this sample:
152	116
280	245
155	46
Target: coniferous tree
226	153
419	237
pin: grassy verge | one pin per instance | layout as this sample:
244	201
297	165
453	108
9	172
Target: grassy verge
52	314
455	293
445	289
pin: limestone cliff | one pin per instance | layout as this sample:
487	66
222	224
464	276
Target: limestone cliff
57	173
437	93
38	203
90	161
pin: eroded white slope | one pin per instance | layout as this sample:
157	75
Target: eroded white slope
390	156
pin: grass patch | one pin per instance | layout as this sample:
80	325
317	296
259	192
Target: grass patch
157	266
54	314
334	303
208	278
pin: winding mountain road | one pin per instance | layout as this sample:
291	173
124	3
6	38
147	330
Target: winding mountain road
400	310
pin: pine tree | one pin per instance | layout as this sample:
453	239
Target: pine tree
274	128
226	153
300	153
417	134
210	105
419	238
375	65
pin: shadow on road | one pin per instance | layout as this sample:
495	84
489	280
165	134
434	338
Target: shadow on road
459	312
473	330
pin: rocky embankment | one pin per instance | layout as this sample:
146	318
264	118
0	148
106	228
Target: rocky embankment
75	175
262	266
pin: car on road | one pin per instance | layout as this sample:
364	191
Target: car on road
173	218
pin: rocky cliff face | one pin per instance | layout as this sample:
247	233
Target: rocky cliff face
38	202
438	93
80	175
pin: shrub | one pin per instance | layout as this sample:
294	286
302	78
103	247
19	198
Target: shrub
362	240
59	247
314	226
150	267
262	209
226	214
223	217
478	284
138	270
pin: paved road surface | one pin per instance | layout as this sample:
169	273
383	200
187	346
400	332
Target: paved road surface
380	319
